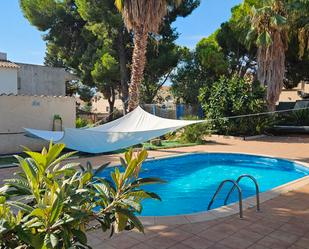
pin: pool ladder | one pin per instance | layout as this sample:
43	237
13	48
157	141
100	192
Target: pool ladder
236	185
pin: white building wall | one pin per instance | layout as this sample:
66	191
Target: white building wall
8	80
17	112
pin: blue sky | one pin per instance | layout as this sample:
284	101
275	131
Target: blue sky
24	43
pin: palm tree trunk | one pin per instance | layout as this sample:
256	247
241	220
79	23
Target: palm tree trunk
271	68
138	66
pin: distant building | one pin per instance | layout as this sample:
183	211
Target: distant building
100	104
28	79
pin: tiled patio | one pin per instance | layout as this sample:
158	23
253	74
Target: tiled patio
282	223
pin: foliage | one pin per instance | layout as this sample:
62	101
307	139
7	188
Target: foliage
295	117
232	97
188	79
88	37
195	133
52	205
80	123
164	55
269	31
210	56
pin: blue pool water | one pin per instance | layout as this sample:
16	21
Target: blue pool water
193	179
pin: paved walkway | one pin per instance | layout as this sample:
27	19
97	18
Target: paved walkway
282	223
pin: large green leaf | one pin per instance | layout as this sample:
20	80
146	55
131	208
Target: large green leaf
130	169
142	195
130	215
146	181
21	206
56	208
40	160
80	236
278	20
121	221
101	168
264	39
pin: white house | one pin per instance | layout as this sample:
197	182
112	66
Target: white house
8	76
29	79
32	96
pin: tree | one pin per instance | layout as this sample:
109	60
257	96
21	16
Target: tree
81	47
211	57
142	17
82	34
163	55
198	69
239	57
269	23
105	22
188	78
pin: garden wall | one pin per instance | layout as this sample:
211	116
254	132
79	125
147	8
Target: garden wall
17	111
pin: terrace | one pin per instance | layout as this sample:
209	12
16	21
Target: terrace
282	222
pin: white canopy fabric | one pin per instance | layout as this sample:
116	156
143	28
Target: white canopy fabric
136	127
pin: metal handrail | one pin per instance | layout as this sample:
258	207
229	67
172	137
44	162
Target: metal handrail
257	190
239	195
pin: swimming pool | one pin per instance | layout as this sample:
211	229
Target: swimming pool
192	179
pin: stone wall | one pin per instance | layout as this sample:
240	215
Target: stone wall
17	112
42	80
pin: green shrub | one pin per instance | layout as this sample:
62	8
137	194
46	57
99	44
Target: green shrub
51	204
295	117
195	133
80	123
232	97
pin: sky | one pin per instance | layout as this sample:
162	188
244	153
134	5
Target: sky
23	42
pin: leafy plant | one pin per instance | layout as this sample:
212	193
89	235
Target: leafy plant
195	133
80	122
233	97
296	117
57	117
52	205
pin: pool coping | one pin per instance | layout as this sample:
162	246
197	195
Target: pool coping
232	208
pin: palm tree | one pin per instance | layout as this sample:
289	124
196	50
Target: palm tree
141	17
269	22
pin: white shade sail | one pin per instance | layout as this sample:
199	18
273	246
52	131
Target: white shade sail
136	127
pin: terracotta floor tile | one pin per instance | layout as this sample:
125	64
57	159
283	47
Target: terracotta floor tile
175	234
236	242
213	235
294	228
142	237
303	242
248	235
195	228
271	242
141	246
257	246
260	229
197	242
123	242
160	242
179	246
219	246
284	236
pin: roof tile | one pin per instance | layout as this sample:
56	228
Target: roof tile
8	64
